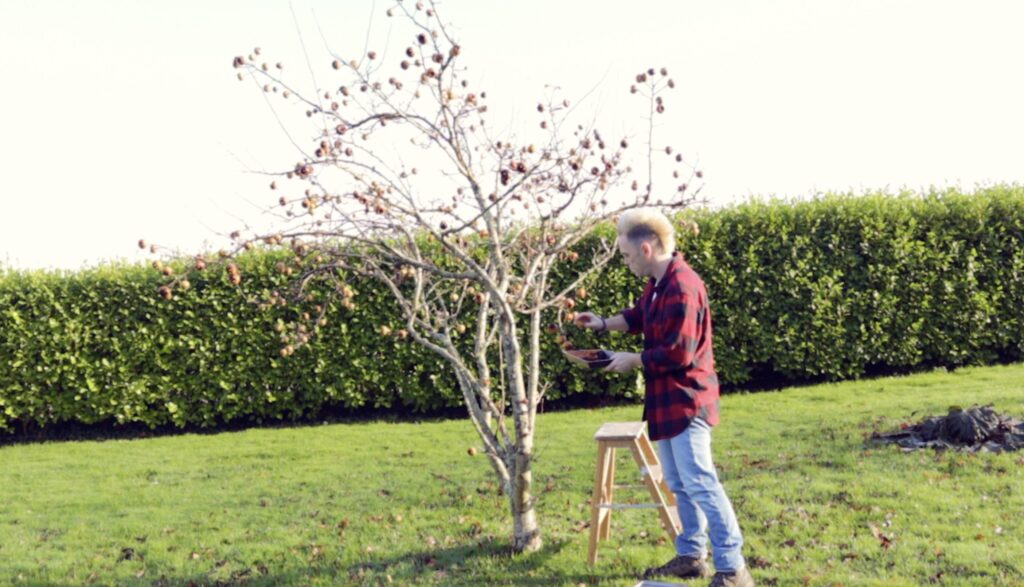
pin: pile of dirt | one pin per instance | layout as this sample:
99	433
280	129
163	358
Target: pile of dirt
976	429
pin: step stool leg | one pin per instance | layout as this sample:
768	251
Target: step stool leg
596	501
652	456
609	490
667	521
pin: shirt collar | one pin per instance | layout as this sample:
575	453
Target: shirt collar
676	264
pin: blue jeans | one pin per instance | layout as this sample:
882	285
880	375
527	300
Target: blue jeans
700	498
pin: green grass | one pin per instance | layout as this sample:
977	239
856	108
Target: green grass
371	503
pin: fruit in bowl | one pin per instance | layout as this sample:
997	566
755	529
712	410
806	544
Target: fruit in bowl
592	358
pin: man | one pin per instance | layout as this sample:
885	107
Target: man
681	399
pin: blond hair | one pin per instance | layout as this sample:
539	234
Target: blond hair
644	225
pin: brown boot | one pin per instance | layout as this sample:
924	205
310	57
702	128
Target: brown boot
684	567
740	578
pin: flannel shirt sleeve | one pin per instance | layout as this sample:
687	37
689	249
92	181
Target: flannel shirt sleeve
678	345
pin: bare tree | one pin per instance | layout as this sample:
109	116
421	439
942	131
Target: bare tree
473	229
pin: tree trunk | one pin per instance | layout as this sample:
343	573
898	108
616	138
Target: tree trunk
525	531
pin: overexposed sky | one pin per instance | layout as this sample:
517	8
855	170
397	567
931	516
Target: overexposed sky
123	119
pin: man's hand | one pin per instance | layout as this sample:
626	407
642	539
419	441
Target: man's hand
588	320
624	362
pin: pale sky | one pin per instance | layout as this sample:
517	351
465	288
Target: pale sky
123	119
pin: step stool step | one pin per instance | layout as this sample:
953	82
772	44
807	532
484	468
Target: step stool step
619	431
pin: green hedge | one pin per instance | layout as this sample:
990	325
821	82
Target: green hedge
842	285
831	288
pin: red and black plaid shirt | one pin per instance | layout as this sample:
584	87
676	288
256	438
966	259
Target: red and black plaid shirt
679	366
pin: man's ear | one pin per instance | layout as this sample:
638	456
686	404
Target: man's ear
646	250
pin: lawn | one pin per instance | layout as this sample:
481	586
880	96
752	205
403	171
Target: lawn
404	503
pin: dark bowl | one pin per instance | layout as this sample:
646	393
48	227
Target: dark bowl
592	358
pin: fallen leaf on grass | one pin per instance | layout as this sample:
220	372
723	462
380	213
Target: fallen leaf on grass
759	562
885	541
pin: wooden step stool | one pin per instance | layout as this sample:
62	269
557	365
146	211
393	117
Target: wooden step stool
631	435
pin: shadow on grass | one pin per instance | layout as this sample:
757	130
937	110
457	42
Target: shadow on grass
32	433
484	562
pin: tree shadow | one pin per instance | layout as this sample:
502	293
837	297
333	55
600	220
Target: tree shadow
445	566
454	565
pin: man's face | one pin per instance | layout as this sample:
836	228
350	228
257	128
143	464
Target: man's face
633	256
